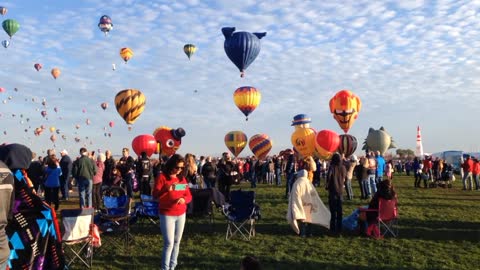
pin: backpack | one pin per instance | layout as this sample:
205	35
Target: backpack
146	167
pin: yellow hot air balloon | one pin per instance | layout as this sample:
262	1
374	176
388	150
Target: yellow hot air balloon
56	72
303	139
235	142
52	129
126	54
130	104
247	99
189	50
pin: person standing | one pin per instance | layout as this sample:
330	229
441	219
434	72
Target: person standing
144	170
173	194
6	204
126	166
290	173
66	166
336	177
380	167
35	172
350	166
83	170
107	177
225	171
209	172
467	173
52	181
372	170
97	181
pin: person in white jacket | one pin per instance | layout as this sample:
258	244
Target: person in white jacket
305	206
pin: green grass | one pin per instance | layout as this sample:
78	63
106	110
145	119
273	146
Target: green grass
439	229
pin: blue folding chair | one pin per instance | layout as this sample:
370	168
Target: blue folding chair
241	214
147	209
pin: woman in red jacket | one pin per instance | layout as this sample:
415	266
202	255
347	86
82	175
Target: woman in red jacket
171	190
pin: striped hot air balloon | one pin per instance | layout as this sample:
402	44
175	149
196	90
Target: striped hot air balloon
236	142
3	10
10	26
130	104
260	144
189	50
348	145
247	99
126	54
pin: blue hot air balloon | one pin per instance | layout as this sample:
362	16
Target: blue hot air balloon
241	47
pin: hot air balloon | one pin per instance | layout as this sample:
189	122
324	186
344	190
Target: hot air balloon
104	105
43	113
189	50
53	138
348	145
345	107
130	104
87	122
260	145
241	47
5	43
111	124
3	10
77	126
11	27
126	54
2	90
144	143
37	66
57	131
55	109
64	137
247	99
55	73
105	24
303	140
378	140
326	143
169	139
77	139
52	129
114	67
236	142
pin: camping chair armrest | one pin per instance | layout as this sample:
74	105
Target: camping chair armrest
361	209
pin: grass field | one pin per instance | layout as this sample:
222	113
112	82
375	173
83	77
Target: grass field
439	229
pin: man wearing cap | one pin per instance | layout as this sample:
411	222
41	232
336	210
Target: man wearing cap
66	166
83	170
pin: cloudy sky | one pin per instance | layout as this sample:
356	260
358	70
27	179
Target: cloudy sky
410	62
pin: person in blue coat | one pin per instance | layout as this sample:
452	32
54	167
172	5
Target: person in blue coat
52	181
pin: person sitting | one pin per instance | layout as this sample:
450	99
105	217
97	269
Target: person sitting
385	191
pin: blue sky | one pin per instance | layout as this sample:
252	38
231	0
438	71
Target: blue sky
411	63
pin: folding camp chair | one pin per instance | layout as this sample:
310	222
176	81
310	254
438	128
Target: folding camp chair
387	219
241	214
77	236
147	209
117	216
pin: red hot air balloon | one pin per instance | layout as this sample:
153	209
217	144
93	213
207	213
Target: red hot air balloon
43	113
37	66
326	143
111	124
144	143
104	105
260	145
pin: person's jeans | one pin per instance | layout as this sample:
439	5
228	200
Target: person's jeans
366	188
348	188
172	231
470	180
253	179
373	184
97	196
85	191
290	180
128	180
335	205
362	191
379	179
278	174
64	187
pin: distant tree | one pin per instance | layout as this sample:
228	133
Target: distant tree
405	153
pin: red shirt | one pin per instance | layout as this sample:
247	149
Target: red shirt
476	168
468	165
167	199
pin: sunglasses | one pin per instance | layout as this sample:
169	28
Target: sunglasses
179	168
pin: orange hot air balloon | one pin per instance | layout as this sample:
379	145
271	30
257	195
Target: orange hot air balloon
260	145
56	72
303	140
236	142
247	99
326	143
126	54
345	106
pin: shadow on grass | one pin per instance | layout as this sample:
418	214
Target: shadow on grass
439	230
